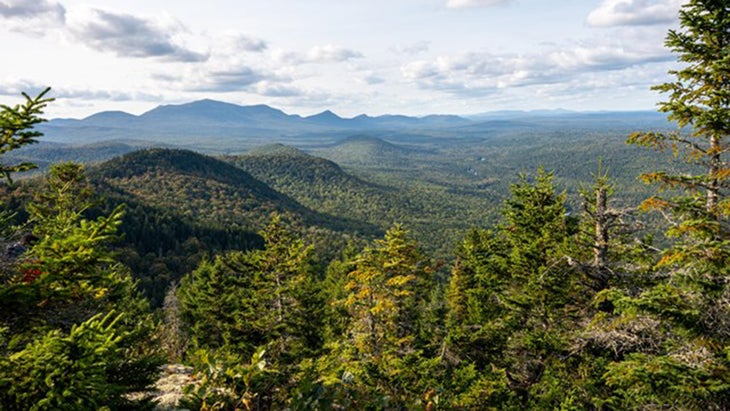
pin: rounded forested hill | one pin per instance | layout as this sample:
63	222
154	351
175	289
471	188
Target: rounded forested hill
206	189
182	204
322	185
194	185
437	216
366	150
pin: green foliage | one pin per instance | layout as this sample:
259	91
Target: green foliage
698	99
667	337
386	294
478	280
688	379
382	354
515	299
16	129
222	381
261	298
67	348
59	371
250	299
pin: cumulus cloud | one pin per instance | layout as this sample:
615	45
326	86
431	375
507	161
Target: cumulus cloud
272	89
15	87
461	4
317	54
29	9
130	36
11	87
372	79
226	79
32	17
76	93
331	54
634	12
473	73
233	42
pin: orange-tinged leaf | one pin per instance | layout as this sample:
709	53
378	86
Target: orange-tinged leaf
721	174
654	203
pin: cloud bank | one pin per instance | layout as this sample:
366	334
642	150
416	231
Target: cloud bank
611	13
473	74
130	36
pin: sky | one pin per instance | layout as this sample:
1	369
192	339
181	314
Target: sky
412	57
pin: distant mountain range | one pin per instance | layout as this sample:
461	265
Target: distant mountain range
189	123
214	126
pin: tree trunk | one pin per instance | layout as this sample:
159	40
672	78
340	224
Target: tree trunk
713	186
600	247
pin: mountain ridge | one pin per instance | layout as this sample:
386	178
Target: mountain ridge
213	126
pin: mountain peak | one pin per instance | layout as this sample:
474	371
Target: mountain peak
325	115
216	111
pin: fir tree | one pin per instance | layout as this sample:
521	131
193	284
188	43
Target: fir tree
75	316
670	340
16	129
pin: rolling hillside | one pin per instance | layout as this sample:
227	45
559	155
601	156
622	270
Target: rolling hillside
437	214
182	206
369	151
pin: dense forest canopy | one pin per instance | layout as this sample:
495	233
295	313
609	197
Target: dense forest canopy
276	300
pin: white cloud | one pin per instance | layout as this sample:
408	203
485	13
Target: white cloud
127	35
472	73
460	4
28	9
77	93
331	54
272	89
232	42
15	87
371	79
317	54
634	12
32	17
215	78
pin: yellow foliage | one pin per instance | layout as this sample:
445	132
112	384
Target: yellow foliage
654	203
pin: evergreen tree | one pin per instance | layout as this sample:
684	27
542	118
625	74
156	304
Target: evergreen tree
382	355
73	314
670	340
514	300
699	98
74	332
478	280
386	295
16	129
244	300
245	303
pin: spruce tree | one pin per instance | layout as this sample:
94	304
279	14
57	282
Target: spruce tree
79	331
514	301
388	303
669	339
16	129
264	304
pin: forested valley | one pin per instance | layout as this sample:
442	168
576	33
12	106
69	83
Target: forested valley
321	279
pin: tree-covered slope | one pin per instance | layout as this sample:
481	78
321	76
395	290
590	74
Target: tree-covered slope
182	206
369	151
203	188
322	185
438	215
